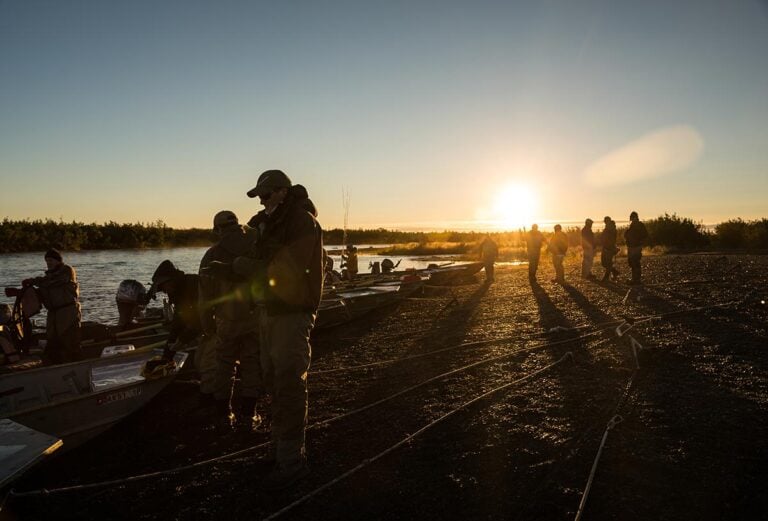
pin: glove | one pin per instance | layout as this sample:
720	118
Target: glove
218	269
12	292
168	354
27	282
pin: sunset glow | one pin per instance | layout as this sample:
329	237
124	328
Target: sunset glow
514	206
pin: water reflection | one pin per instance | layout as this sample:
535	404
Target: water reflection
100	272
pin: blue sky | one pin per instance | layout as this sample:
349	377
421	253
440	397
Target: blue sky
430	114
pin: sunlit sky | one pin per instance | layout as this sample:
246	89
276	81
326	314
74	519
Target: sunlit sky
431	115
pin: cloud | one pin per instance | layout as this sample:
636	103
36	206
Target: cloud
653	155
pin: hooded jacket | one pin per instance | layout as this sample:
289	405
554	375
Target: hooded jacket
226	298
636	234
285	265
58	288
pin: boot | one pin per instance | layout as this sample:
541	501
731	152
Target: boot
224	420
248	420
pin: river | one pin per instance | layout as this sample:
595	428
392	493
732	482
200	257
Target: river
100	272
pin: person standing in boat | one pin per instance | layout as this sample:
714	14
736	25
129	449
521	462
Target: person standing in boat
226	299
489	251
635	237
533	242
608	248
186	328
558	246
587	250
59	292
287	259
349	262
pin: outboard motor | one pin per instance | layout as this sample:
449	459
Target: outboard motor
131	300
15	325
387	266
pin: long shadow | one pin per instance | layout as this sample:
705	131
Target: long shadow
698	424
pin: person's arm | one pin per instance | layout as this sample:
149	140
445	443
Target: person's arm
207	294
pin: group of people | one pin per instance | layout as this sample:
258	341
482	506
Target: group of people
635	237
254	301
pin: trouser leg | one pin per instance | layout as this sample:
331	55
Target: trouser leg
533	266
286	356
250	365
226	356
206	363
634	255
489	271
557	261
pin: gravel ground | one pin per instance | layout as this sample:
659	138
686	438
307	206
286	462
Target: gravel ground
693	443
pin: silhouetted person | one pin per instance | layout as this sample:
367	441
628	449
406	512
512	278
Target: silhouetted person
533	241
349	262
609	249
588	249
558	246
635	237
60	292
489	251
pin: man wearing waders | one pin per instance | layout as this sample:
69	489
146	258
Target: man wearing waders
287	259
59	291
587	250
533	242
608	248
488	253
558	246
635	237
230	320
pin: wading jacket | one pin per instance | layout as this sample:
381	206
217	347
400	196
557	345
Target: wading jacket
533	243
559	243
227	299
608	237
286	262
587	238
58	288
636	234
186	323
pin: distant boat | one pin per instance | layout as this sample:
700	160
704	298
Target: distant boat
71	402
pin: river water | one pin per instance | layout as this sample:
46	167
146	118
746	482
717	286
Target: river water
100	272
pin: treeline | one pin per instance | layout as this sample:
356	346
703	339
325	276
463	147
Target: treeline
39	235
671	232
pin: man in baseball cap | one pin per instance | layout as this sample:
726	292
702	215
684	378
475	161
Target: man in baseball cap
270	181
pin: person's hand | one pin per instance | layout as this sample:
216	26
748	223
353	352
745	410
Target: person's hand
218	269
168	354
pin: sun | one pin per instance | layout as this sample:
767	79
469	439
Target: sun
514	206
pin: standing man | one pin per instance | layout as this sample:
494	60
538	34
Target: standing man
287	260
635	237
226	299
588	250
558	246
489	251
533	242
609	249
59	291
349	262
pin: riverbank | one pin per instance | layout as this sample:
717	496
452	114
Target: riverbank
692	442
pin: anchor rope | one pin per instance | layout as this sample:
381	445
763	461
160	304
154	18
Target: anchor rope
228	456
411	437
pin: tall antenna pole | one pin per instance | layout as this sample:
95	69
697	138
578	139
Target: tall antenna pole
345	202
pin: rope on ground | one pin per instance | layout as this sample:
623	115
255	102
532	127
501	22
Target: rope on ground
461	345
411	437
444	375
615	420
228	456
121	481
